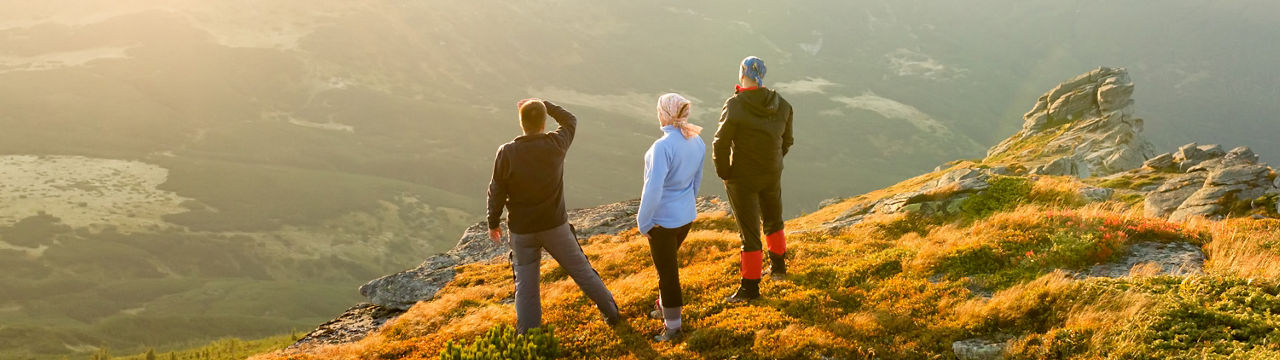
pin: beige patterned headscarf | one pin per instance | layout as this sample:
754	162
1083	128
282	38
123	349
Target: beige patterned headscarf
674	109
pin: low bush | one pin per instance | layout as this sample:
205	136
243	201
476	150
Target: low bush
1005	193
502	343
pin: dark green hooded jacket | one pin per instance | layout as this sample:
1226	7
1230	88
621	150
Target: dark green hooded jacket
754	134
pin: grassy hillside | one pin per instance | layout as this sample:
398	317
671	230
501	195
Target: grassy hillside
904	286
225	349
310	145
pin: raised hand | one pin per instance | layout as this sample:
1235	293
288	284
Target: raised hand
520	104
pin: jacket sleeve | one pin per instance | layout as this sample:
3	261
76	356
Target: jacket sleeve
497	191
655	175
722	147
697	177
786	134
563	136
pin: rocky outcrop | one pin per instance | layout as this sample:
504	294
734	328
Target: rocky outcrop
401	290
354	324
943	195
1212	182
393	294
1168	197
1083	127
1096	194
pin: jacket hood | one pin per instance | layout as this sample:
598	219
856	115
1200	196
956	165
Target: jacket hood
762	101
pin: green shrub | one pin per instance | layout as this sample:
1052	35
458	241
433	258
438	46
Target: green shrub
1266	205
912	222
1145	182
1131	198
502	342
1005	193
1056	344
1117	183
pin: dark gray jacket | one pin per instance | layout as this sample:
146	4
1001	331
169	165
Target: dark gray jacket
528	177
754	134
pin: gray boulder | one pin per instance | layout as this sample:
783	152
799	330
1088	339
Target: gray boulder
1214	182
1189	155
1160	162
1060	166
1223	185
896	203
960	181
979	349
1096	194
1240	156
1169	196
1213	150
1206	165
831	201
1253	175
1000	170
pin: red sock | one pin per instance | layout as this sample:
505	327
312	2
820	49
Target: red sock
751	263
777	242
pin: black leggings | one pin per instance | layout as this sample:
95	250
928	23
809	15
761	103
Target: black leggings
664	244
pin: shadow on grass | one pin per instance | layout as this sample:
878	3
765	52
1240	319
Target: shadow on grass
635	341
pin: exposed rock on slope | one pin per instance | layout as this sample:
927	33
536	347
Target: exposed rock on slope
1083	127
391	295
1210	182
354	324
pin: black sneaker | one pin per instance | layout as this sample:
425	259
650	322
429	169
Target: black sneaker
668	335
778	268
749	290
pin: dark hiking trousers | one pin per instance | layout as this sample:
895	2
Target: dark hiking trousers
562	244
664	244
755	199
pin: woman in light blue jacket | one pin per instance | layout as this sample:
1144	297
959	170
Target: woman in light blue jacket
672	173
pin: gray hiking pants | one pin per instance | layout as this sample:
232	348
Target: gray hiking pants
562	244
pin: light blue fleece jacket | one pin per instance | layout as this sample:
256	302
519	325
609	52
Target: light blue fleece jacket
672	174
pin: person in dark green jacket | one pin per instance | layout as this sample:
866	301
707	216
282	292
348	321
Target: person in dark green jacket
754	136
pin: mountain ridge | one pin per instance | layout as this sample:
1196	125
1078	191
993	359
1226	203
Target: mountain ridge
1096	169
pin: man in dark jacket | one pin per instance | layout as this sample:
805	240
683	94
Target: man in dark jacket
754	135
528	180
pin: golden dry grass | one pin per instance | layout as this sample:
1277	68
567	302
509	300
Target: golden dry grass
870	293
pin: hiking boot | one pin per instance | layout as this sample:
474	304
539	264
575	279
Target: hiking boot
749	290
778	268
668	334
